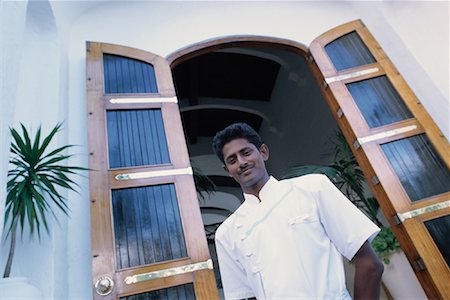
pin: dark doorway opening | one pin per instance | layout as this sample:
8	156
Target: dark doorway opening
272	90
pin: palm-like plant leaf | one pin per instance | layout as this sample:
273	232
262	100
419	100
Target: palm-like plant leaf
202	182
33	185
296	171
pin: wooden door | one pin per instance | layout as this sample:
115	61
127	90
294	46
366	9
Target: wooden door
401	151
148	240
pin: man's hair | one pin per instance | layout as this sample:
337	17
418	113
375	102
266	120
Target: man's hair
232	132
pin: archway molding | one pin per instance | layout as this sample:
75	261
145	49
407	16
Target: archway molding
234	41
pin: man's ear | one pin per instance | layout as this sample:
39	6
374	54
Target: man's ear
264	150
226	169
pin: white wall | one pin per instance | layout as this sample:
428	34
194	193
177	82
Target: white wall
12	24
33	98
51	85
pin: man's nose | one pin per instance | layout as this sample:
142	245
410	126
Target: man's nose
241	160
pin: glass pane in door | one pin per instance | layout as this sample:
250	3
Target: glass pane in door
126	75
419	168
349	51
136	138
147	225
439	229
378	101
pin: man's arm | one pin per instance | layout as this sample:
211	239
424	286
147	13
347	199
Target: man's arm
234	279
368	271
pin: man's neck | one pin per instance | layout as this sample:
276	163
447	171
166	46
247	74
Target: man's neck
256	188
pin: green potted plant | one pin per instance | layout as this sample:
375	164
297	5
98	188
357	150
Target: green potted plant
33	188
385	243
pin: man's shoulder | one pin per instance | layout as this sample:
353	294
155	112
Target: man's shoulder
224	229
309	182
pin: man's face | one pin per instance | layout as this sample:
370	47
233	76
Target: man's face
245	163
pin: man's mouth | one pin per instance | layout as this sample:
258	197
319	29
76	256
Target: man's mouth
245	171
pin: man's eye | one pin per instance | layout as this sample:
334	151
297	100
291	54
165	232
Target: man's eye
231	161
247	152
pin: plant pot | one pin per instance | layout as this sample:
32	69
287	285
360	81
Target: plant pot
18	288
399	278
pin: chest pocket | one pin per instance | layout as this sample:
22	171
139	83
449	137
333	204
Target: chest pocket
300	209
308	233
302	218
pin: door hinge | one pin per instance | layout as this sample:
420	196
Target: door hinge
419	264
396	220
375	180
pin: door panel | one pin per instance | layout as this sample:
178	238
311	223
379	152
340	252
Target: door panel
148	240
147	225
401	151
125	75
378	101
136	138
421	171
439	231
348	51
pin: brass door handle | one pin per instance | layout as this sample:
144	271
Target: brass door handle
104	286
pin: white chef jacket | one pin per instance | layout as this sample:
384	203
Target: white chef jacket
290	245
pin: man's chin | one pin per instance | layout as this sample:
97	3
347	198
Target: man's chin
247	182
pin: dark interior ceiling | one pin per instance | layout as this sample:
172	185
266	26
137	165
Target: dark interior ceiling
225	181
226	76
206	122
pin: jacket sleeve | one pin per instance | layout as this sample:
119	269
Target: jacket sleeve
233	275
346	226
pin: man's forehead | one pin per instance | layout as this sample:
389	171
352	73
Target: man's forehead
237	145
238	142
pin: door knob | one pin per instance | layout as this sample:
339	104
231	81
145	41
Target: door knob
104	285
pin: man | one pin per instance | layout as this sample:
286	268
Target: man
287	239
